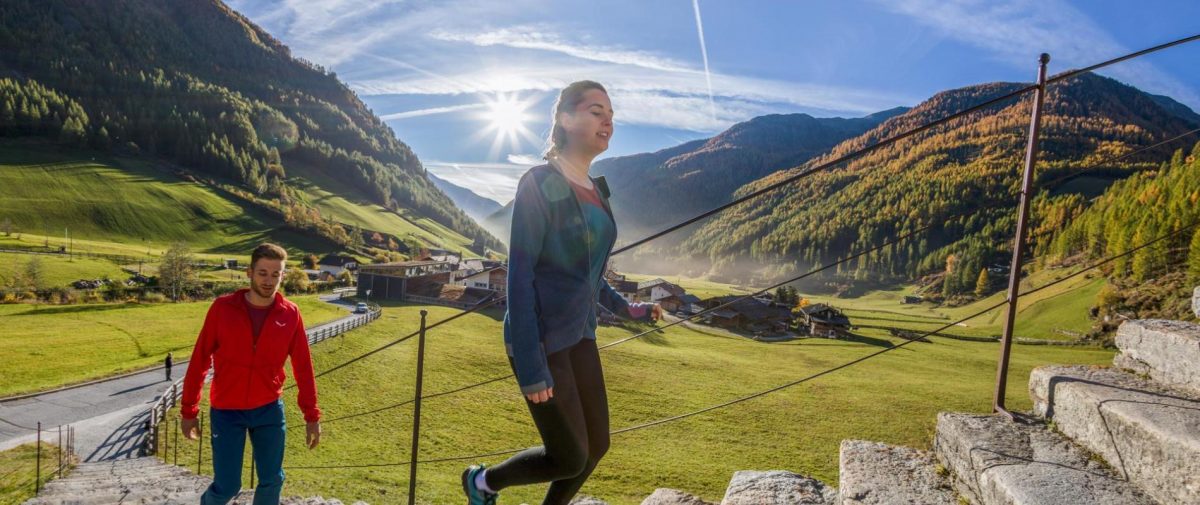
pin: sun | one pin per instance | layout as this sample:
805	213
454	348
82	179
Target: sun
506	116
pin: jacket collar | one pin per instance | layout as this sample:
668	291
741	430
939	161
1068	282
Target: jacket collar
239	300
598	182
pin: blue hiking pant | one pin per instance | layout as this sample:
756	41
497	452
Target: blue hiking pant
228	430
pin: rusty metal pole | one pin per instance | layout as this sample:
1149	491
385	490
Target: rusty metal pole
416	433
1014	272
200	451
37	473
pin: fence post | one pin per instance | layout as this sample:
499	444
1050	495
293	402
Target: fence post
37	473
251	466
416	434
1014	271
175	443
60	450
200	451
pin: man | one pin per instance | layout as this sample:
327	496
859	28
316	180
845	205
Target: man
167	364
246	337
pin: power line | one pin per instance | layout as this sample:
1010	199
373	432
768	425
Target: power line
693	316
798	381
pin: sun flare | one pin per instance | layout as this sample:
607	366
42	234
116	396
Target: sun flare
506	117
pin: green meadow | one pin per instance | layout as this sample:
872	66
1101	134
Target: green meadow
19	469
45	346
893	398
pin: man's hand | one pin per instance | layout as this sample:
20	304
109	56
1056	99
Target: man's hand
541	396
312	434
190	428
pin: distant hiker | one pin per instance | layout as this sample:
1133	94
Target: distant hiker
246	338
167	363
562	234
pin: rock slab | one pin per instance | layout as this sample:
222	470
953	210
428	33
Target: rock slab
1166	351
1150	434
880	474
997	461
666	496
777	487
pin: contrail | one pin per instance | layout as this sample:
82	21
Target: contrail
712	111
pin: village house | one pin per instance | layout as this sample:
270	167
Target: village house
657	289
749	314
429	282
823	320
493	278
335	264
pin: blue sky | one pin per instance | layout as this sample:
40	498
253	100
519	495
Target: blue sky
431	69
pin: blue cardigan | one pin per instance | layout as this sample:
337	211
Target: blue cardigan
552	294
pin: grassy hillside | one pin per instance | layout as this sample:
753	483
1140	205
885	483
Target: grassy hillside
326	194
1050	314
95	340
47	191
893	398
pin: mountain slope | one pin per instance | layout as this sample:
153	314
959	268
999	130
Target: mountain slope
653	190
199	85
476	206
970	162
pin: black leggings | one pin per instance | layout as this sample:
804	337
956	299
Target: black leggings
573	426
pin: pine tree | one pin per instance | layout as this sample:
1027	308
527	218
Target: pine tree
983	284
1194	259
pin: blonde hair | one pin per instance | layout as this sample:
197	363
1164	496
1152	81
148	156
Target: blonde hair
568	99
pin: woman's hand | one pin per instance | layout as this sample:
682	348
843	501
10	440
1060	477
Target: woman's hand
541	396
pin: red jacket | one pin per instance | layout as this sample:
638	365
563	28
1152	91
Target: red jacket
248	375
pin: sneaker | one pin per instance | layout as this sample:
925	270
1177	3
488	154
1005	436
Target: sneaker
476	496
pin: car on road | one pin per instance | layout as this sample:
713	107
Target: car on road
361	308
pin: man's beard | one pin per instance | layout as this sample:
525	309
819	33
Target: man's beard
258	291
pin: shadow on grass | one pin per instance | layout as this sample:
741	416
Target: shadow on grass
79	309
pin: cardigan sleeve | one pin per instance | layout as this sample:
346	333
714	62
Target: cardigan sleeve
529	223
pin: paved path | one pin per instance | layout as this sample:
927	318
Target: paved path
109	416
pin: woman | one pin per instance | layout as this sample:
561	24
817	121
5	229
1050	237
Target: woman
562	234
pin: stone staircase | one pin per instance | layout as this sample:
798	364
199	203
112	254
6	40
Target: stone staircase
1127	434
143	480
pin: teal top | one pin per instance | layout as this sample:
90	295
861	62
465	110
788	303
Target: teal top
601	231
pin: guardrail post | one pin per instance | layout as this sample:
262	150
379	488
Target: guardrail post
1014	271
37	473
416	434
200	451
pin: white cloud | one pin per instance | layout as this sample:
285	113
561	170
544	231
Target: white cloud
527	160
431	111
1018	30
646	96
540	38
497	181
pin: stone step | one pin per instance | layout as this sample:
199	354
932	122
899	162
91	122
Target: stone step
140	481
1149	433
667	496
777	487
1166	351
882	474
996	461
